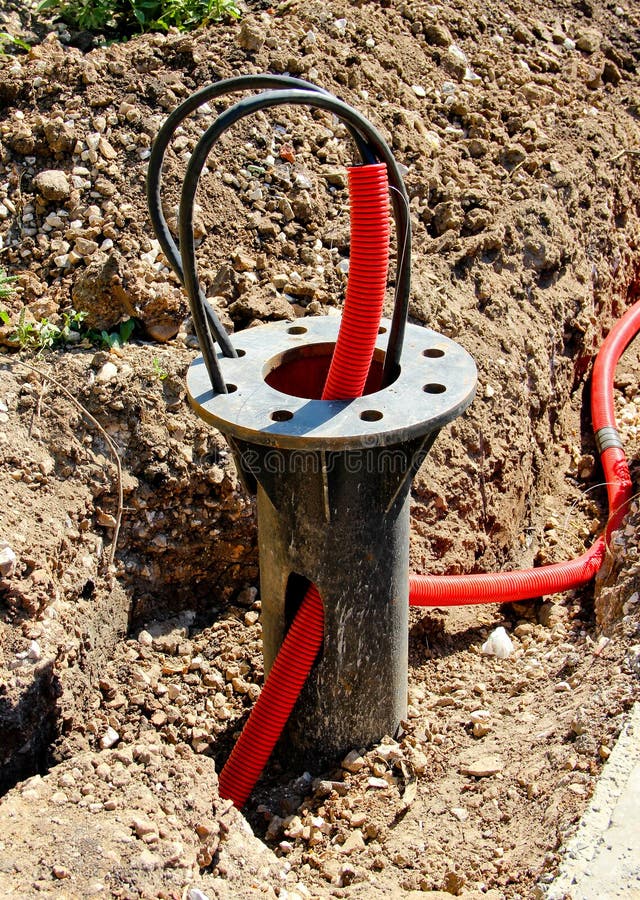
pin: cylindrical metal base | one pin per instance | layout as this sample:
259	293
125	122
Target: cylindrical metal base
333	480
341	522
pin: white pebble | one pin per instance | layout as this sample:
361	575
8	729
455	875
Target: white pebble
109	738
34	652
196	894
377	783
7	562
498	644
107	373
461	814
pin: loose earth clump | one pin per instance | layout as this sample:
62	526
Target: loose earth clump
123	687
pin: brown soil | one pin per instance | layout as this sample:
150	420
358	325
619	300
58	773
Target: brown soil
125	684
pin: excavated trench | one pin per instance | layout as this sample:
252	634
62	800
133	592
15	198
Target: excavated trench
188	537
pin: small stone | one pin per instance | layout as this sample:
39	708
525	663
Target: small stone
455	62
453	882
588	41
60	872
7	562
196	894
459	813
418	90
353	761
377	783
242	261
420	762
106	149
437	34
85	247
358	819
498	644
480	729
483	766
105	519
266	227
250	37
144	828
109	738
145	639
34	652
106	373
336	177
354	843
52	184
611	73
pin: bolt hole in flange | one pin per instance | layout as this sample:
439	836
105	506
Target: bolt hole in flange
382	329
240	352
297	329
231	388
281	415
434	388
433	353
371	415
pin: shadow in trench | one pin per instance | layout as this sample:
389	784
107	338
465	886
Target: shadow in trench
28	725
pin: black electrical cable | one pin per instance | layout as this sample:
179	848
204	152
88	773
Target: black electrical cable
168	129
154	186
399	199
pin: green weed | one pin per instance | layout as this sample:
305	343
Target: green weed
115	339
7	285
45	335
128	16
9	41
158	371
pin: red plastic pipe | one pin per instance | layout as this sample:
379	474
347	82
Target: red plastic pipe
366	285
348	371
523	584
279	694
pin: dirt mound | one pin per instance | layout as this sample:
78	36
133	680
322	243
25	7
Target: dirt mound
518	128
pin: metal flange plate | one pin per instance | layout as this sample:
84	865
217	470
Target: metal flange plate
437	382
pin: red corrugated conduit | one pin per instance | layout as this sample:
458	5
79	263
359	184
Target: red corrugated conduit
348	371
366	285
503	587
346	379
279	694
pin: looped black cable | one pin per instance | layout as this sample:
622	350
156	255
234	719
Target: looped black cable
180	113
154	199
400	202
